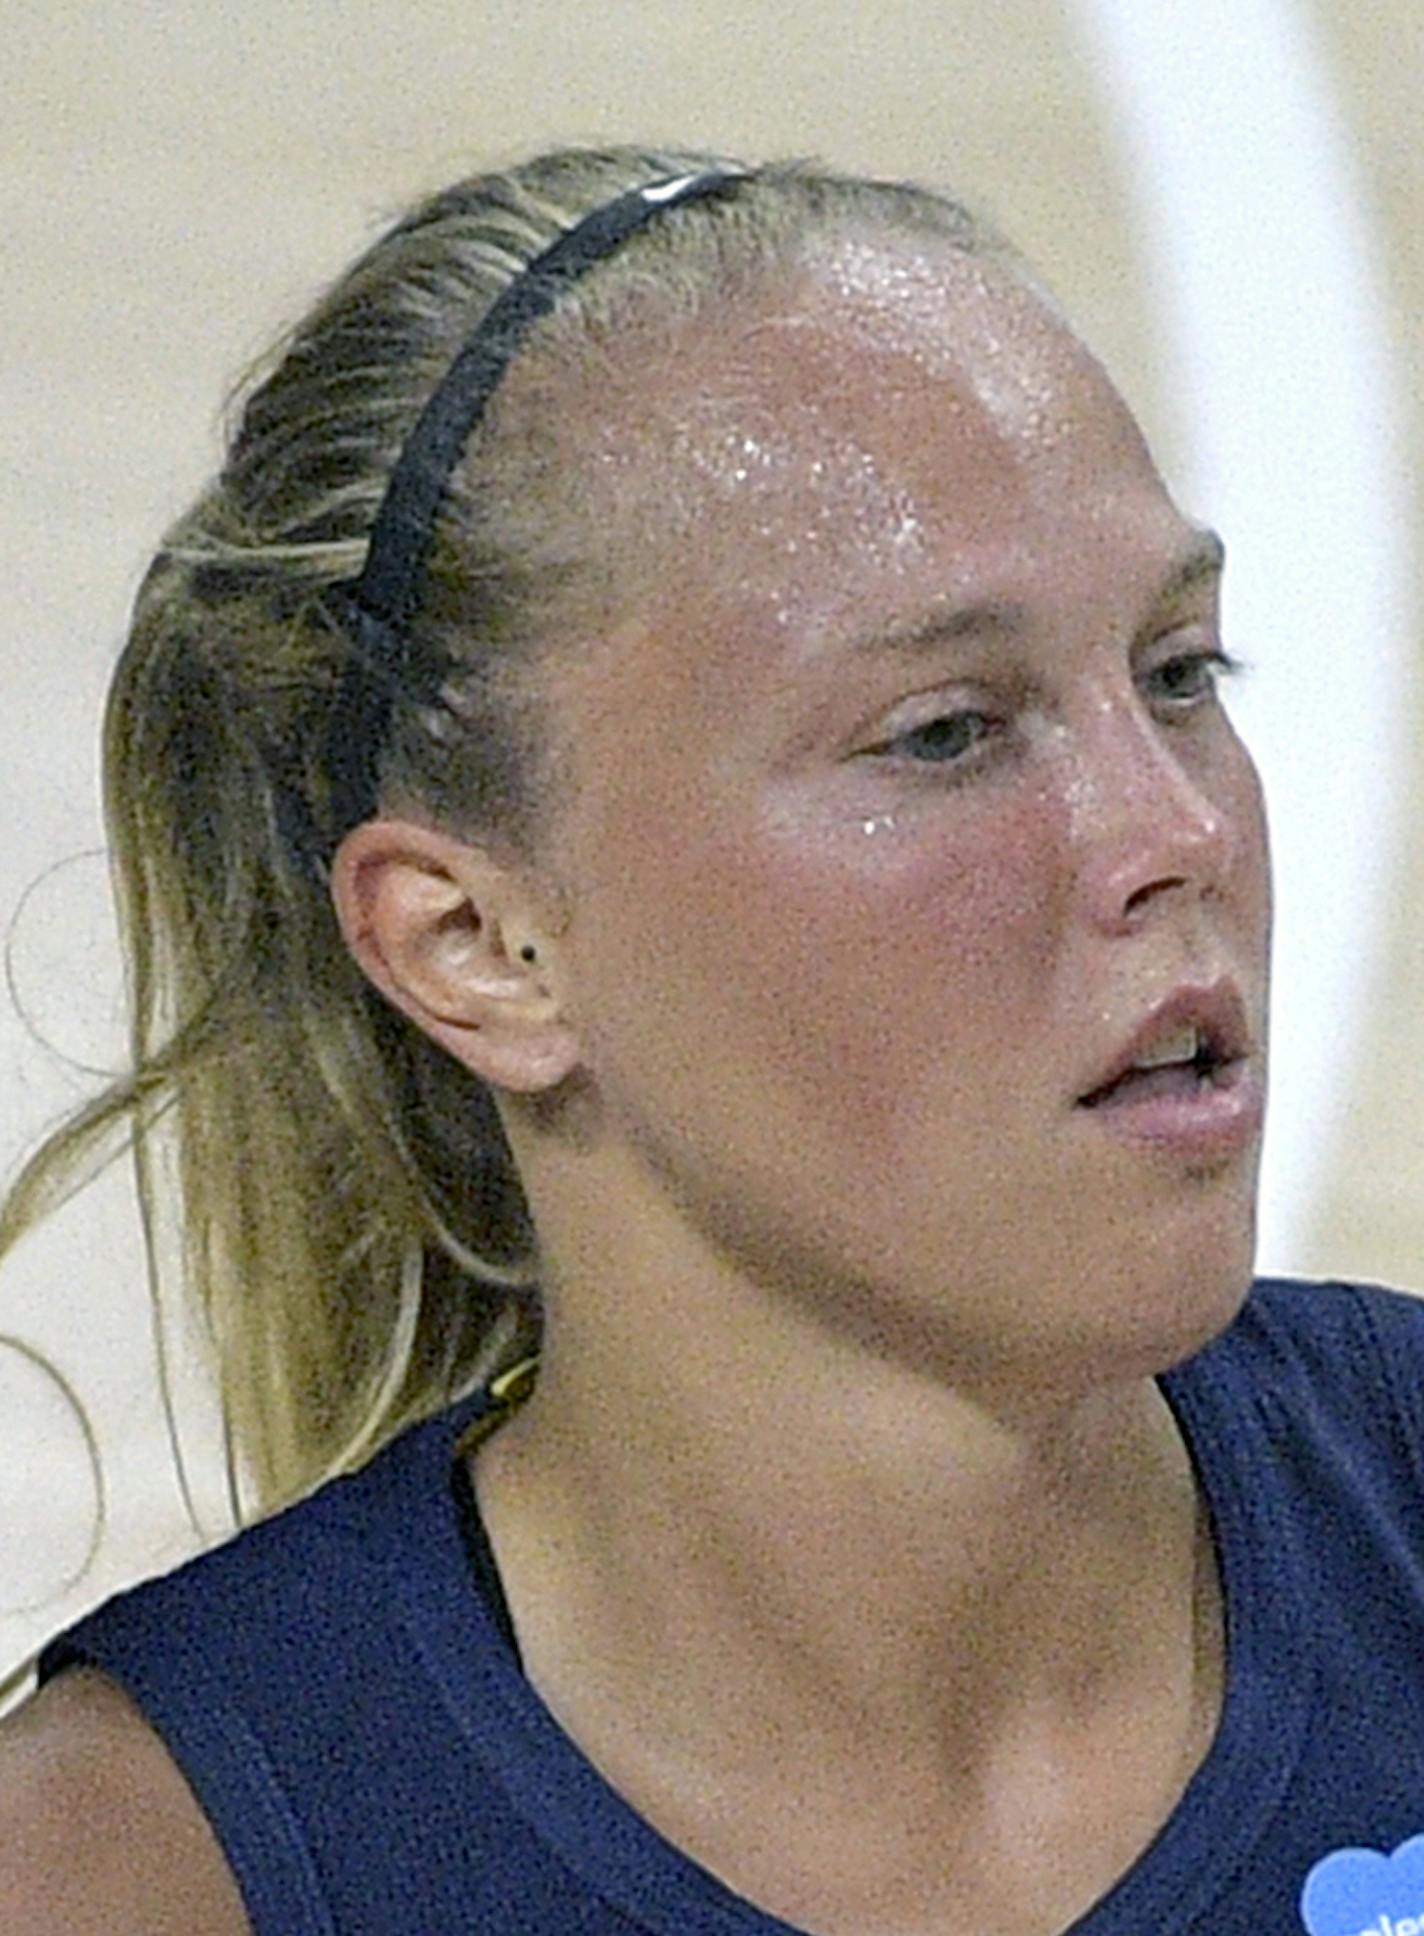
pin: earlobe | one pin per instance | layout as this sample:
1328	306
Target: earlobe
440	927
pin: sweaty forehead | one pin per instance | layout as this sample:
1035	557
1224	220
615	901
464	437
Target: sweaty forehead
865	328
884	398
886	425
890	437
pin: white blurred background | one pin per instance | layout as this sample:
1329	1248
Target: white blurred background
1228	195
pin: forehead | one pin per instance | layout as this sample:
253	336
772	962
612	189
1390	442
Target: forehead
894	411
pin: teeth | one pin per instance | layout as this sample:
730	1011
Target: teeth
1181	1047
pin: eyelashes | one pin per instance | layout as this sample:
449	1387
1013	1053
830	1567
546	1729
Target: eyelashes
1204	671
1178	688
946	740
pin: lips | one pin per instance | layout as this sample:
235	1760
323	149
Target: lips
1216	1010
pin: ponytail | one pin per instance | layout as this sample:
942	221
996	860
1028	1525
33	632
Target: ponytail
337	1195
348	1222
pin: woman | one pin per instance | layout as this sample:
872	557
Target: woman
680	765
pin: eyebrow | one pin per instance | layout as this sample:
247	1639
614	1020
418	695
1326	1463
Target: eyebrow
1202	559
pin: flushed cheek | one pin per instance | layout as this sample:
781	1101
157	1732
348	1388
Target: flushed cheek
887	972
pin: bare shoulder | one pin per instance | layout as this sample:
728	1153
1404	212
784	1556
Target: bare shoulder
99	1832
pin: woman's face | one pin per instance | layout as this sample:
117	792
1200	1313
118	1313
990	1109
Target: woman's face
899	806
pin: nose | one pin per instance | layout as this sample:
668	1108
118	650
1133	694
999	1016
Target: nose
1146	826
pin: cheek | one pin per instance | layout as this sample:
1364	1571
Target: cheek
910	956
864	978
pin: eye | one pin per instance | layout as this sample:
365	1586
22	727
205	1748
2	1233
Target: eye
946	740
1190	679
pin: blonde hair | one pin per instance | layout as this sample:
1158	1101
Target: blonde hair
349	1220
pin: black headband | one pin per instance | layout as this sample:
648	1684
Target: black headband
375	608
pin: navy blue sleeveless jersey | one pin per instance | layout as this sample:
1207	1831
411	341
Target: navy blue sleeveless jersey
339	1690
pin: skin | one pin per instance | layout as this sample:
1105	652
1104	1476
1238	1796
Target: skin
847	1530
100	1835
803	968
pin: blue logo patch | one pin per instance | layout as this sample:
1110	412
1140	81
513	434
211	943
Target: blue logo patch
1359	1892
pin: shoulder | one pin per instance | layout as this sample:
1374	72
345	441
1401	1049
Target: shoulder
99	1831
197	1727
259	1609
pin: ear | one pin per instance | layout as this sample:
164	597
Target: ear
462	943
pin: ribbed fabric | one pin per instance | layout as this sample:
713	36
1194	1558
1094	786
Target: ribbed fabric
337	1688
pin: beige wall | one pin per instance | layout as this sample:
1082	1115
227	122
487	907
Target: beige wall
178	179
1370	1216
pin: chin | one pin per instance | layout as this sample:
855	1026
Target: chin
1181	1311
1107	1328
1186	1280
1134	1315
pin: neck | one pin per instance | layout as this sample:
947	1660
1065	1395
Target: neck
760	1547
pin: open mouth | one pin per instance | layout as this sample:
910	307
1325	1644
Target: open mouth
1208	1067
